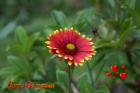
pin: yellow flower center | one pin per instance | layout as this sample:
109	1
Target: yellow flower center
70	46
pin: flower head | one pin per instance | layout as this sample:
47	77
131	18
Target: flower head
70	45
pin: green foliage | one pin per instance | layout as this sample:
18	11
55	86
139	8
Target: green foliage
24	43
60	19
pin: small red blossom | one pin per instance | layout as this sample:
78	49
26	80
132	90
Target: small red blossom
116	71
114	68
71	45
123	67
123	75
108	74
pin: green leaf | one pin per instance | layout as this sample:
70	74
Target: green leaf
82	79
62	77
124	35
130	3
19	68
105	43
137	7
21	35
24	42
135	52
31	41
103	89
84	85
111	3
78	24
51	70
101	53
137	12
22	68
88	13
86	17
60	18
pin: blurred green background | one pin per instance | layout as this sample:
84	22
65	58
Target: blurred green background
25	25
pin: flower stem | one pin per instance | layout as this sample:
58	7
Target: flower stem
69	75
90	74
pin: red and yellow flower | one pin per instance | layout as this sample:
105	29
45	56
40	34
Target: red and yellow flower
71	45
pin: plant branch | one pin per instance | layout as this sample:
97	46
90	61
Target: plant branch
72	84
69	75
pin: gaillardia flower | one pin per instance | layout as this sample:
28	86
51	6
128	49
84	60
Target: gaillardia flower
70	45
